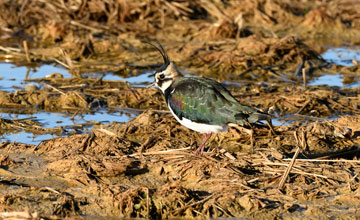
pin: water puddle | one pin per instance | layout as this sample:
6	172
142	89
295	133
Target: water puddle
12	76
290	119
81	123
334	80
136	81
341	56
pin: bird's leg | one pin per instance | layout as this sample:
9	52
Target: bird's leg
200	149
251	133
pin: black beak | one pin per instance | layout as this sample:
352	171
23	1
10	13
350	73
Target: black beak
153	83
150	85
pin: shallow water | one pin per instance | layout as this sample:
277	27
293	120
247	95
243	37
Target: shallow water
12	79
12	76
342	55
333	80
66	121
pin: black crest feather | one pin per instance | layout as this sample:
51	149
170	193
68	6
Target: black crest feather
161	49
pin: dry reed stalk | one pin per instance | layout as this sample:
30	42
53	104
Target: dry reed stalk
58	90
147	203
324	160
304	76
287	172
26	51
171	151
175	212
273	171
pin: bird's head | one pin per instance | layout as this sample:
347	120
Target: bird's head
167	72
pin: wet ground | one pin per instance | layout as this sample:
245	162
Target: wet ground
82	138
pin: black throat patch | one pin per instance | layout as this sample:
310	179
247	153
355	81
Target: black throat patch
161	82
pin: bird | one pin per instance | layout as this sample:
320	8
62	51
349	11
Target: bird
201	104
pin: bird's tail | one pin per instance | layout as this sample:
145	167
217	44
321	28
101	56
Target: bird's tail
258	116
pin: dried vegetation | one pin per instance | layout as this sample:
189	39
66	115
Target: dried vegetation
144	168
124	170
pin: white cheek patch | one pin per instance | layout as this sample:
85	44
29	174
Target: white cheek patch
167	80
165	85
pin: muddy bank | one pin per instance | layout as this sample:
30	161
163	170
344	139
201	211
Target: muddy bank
265	52
145	168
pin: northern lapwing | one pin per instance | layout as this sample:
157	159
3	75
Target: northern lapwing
201	104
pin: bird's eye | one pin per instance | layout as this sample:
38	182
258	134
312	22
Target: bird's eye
162	76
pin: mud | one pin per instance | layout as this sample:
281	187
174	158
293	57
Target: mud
125	170
265	51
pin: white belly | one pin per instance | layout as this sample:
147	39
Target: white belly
199	127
